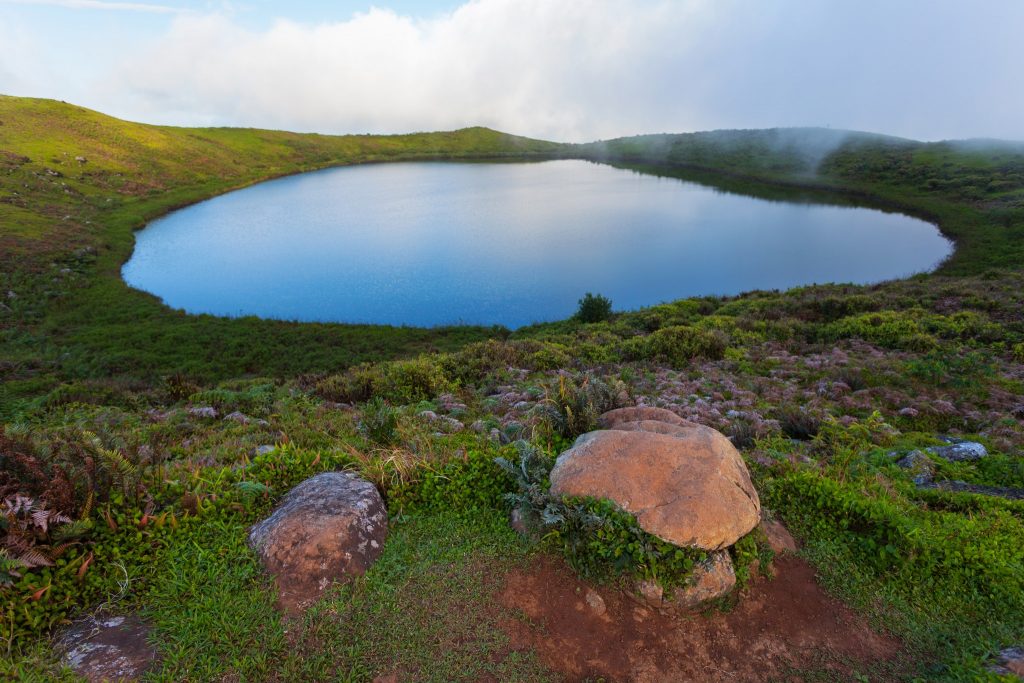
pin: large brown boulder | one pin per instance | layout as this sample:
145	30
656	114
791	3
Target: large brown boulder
329	528
690	488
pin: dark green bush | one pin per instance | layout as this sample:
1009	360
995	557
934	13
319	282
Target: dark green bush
594	308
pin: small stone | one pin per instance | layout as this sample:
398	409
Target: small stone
908	412
779	538
107	648
711	579
921	468
517	520
265	449
203	411
1010	662
651	591
595	602
239	417
478	426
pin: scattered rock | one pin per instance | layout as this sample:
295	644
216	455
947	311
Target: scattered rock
779	538
239	417
1010	662
960	450
689	490
921	468
651	591
964	487
265	449
203	411
517	520
328	528
428	415
711	579
478	426
107	648
595	602
638	414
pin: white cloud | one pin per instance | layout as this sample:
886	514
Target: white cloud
586	69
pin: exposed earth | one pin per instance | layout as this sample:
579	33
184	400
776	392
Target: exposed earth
777	628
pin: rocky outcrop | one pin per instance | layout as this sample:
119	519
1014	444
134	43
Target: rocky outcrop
329	528
107	648
690	488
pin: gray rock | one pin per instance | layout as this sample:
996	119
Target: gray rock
207	412
959	451
1010	662
478	426
107	648
265	449
920	466
964	487
329	528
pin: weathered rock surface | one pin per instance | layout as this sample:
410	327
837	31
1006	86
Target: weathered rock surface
713	578
1010	662
329	528
691	489
638	414
921	468
107	648
959	450
779	538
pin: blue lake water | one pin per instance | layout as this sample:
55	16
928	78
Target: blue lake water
435	243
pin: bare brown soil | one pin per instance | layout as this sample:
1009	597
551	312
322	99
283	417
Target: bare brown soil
777	628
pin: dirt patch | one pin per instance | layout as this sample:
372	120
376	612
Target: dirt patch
778	626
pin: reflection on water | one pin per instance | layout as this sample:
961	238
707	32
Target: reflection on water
431	243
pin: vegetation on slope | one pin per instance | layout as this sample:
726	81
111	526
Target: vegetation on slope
116	431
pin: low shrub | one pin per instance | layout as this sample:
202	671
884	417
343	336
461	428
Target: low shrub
573	408
400	382
379	422
677	346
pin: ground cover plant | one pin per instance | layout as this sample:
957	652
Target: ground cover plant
139	443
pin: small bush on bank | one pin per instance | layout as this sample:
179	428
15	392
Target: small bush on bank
594	308
379	423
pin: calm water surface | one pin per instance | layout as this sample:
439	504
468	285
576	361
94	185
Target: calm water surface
431	243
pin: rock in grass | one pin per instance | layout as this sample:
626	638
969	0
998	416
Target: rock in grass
329	528
690	488
107	648
920	466
960	450
1010	662
779	538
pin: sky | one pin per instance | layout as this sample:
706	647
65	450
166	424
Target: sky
567	70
